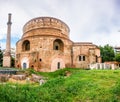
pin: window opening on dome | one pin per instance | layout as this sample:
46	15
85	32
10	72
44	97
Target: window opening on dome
58	45
26	45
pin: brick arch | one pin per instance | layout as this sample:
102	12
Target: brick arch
24	61
26	45
58	45
57	63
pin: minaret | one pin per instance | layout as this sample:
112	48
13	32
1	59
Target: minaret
7	54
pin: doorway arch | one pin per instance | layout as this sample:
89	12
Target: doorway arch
25	63
57	63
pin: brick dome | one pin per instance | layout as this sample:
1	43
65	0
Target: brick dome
45	26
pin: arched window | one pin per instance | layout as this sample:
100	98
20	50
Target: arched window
58	45
26	45
82	58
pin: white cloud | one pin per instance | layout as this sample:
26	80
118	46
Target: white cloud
97	21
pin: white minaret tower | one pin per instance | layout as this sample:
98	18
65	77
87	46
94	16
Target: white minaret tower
7	54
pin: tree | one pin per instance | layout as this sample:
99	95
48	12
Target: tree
12	62
1	57
107	53
117	57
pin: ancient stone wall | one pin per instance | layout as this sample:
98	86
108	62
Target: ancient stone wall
84	54
42	54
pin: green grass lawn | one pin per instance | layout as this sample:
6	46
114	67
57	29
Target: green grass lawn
80	86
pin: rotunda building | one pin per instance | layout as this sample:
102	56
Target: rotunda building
45	45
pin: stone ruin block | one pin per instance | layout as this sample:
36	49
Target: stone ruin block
4	77
36	78
19	77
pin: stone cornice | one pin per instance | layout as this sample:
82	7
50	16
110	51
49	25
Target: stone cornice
43	36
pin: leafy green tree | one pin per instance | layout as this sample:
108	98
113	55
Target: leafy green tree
1	57
117	57
107	53
12	62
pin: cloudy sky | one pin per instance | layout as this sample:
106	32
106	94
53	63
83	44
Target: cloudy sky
96	21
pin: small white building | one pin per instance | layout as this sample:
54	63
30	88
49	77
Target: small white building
117	49
106	65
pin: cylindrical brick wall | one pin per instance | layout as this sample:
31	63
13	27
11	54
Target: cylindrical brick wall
46	26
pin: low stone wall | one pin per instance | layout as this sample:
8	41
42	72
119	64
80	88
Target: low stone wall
8	71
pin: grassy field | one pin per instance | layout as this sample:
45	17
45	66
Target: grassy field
79	86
